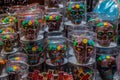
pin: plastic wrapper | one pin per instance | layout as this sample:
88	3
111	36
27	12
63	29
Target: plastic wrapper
53	19
34	50
83	44
109	7
56	51
76	11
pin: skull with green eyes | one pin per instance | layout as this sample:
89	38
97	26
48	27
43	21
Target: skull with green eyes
76	12
105	33
30	29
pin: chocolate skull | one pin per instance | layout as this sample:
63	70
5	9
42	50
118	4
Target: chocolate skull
105	33
30	29
8	42
34	50
76	12
53	3
53	21
84	49
57	53
106	65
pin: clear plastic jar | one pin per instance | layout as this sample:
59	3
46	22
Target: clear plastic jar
56	50
83	47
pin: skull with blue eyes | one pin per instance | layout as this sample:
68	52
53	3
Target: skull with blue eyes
76	12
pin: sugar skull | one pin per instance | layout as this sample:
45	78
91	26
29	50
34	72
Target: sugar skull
84	73
105	33
84	49
30	29
53	3
34	50
75	12
53	21
106	65
8	42
19	68
57	53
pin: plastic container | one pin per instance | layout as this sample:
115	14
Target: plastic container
83	47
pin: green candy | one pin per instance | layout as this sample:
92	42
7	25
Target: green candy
1	43
70	8
23	23
75	43
4	37
100	24
40	49
93	44
47	17
100	59
36	22
57	17
16	20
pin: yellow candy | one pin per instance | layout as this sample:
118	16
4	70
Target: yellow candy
58	48
77	6
10	20
30	23
51	18
105	23
17	58
85	41
108	57
34	49
15	67
8	36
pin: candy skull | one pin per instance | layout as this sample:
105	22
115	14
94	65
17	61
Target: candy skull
53	21
76	12
57	53
30	29
34	50
106	65
53	3
84	49
105	33
8	42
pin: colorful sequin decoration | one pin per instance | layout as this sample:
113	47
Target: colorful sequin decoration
105	24
8	36
30	22
104	57
7	30
52	17
9	19
57	47
76	6
13	68
85	41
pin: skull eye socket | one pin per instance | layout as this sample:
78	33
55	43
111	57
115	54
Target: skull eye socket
73	12
109	34
25	27
100	33
80	12
89	49
62	51
34	27
79	49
